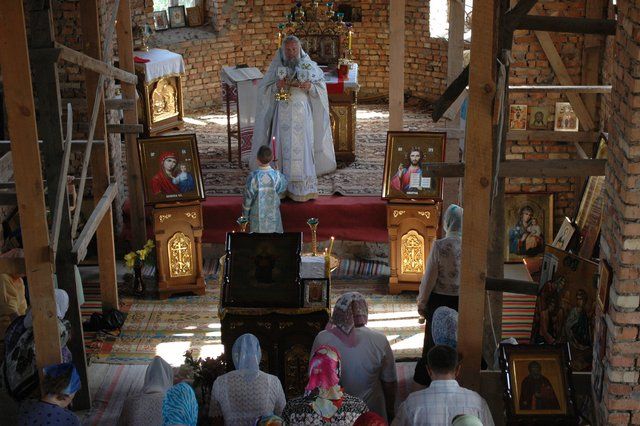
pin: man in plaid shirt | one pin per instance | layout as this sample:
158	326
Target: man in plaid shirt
444	399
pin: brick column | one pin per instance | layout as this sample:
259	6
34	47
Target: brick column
621	227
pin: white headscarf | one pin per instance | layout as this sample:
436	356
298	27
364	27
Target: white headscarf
246	355
324	154
453	221
444	327
62	305
159	376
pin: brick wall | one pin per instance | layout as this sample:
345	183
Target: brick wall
531	67
621	228
247	34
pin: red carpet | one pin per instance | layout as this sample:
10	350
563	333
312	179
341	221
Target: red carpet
345	218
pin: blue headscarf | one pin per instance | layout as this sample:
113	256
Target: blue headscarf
180	406
246	355
444	327
58	370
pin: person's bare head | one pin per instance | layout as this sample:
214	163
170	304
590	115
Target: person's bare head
265	155
291	47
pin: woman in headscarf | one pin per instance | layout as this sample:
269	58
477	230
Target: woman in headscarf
180	406
441	281
324	401
19	367
444	327
242	395
370	419
368	366
146	408
60	384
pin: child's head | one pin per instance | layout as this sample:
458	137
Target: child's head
183	167
265	155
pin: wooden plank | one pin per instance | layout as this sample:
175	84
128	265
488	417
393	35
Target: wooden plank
97	215
134	175
479	154
125	128
89	14
511	19
552	168
512	286
551	136
525	168
561	24
76	143
396	64
13	266
56	162
122	104
563	77
21	114
451	93
594	89
100	67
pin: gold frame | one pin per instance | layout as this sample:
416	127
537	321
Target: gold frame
431	142
541	201
174	121
170	143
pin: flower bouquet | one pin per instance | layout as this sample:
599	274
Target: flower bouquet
136	260
205	372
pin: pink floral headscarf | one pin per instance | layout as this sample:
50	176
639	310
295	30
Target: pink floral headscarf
324	381
350	311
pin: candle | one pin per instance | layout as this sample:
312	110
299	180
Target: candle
349	39
279	38
331	245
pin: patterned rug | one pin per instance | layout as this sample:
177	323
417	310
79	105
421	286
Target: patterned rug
168	328
362	177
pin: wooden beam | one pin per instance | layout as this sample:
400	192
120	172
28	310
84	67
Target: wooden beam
8	198
56	162
125	128
21	114
451	93
76	143
512	286
563	77
100	67
552	168
123	104
479	154
551	136
97	215
511	19
561	89
396	64
134	175
89	17
525	168
13	266
561	24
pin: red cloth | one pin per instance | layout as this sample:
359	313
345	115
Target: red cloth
345	218
160	182
140	60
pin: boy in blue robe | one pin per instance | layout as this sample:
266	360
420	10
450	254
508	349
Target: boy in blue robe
262	195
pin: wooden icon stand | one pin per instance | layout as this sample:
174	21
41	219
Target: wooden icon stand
178	235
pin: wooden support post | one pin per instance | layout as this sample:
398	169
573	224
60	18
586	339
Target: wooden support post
454	68
563	77
563	24
396	64
89	14
101	209
21	114
50	130
134	176
478	179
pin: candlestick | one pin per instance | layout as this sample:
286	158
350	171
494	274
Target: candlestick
331	246
350	39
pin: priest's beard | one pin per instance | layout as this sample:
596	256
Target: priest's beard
292	64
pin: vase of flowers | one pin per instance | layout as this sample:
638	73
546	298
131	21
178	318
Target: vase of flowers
135	260
204	372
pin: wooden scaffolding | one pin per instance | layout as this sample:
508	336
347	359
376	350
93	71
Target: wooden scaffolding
52	254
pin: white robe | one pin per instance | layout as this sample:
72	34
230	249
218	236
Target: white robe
301	126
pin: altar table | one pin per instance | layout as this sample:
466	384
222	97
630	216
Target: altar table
160	89
343	102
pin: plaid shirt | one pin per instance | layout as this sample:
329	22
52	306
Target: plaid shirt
440	403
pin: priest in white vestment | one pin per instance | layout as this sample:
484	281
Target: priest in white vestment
298	130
